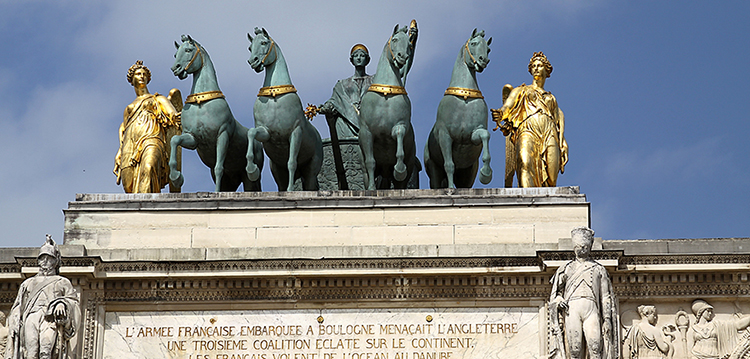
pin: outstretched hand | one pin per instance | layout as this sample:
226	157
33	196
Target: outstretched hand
326	108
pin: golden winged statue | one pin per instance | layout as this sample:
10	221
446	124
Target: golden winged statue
149	122
534	126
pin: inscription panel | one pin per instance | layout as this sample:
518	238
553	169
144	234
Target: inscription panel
444	333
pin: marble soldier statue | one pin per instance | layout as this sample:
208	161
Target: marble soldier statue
711	338
583	306
536	149
644	340
149	122
46	312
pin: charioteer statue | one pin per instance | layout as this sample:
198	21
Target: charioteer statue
342	109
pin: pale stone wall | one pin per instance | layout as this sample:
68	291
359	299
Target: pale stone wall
473	266
347	218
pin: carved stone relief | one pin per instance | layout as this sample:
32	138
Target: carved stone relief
708	329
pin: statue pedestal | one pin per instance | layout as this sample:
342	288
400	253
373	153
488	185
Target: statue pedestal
411	274
325	218
395	274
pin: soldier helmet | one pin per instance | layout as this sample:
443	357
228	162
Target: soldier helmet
584	235
699	306
50	248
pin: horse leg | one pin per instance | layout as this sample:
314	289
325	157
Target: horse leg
280	176
250	186
222	143
428	165
368	157
399	170
311	169
295	140
255	133
309	177
186	140
482	136
446	148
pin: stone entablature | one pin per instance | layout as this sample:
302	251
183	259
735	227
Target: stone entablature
325	218
139	260
490	276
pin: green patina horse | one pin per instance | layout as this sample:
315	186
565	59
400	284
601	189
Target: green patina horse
292	144
386	136
460	131
208	125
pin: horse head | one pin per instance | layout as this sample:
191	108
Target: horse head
398	46
476	51
188	58
262	50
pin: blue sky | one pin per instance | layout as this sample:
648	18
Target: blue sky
653	92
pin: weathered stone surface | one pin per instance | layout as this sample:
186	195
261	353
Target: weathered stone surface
358	256
404	333
325	218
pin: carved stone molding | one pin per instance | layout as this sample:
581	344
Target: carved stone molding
90	323
328	289
318	264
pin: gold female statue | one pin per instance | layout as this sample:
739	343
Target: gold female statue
535	149
149	122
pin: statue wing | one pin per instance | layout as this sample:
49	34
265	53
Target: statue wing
510	147
506	91
175	97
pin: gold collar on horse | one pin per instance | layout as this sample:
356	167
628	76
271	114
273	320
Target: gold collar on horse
198	98
276	90
463	92
387	89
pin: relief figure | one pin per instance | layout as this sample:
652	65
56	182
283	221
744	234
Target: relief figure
711	338
645	341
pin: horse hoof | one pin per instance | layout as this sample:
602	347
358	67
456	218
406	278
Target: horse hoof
485	175
176	178
399	172
252	172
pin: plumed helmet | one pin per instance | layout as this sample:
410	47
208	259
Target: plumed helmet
700	306
49	247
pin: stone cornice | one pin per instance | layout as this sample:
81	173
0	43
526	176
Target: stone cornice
406	279
328	199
